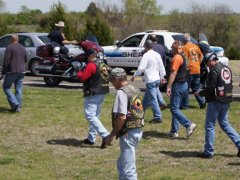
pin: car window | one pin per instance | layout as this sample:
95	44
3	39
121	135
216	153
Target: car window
133	41
44	39
160	39
25	41
179	37
5	41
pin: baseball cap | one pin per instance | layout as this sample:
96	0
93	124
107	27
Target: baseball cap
117	73
211	56
90	52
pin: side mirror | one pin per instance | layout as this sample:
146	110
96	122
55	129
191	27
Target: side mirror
118	43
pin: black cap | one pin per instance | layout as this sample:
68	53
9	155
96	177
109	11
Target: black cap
90	52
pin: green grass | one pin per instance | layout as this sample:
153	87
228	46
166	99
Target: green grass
44	142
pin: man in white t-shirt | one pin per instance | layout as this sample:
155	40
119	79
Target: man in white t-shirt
152	67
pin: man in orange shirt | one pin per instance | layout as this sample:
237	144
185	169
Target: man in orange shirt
177	88
194	56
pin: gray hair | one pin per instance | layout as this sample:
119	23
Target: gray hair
186	37
118	74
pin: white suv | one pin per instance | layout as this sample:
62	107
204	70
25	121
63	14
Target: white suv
128	52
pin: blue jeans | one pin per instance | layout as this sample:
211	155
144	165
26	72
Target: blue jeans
194	84
179	90
92	106
160	98
218	111
150	98
16	78
126	162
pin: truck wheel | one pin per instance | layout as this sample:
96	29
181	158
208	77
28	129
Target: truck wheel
52	81
32	66
1	75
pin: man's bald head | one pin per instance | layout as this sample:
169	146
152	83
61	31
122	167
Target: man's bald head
14	38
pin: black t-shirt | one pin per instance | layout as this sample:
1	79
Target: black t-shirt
56	36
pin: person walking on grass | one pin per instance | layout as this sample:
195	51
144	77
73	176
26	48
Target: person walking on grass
127	122
194	56
152	67
14	67
95	87
177	88
218	93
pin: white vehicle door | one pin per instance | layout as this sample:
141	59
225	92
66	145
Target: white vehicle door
127	53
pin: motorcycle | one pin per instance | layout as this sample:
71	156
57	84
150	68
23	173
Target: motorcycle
56	66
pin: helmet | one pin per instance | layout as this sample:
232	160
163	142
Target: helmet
56	50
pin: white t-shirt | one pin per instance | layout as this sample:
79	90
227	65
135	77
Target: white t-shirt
152	67
121	102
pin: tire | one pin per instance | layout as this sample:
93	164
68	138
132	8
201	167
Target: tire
1	75
52	81
32	66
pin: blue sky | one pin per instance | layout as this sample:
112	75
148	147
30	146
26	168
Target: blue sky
14	6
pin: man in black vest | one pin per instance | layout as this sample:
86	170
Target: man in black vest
127	120
95	87
218	93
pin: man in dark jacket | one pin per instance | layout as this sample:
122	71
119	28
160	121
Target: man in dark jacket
13	68
218	93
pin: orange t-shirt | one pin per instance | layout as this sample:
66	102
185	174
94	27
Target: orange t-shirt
194	56
176	62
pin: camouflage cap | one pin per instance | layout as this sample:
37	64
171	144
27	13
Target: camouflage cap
117	73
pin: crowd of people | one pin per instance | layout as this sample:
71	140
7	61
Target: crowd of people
129	105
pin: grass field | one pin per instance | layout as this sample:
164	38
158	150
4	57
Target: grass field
44	142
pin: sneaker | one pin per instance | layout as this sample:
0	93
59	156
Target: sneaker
205	156
86	141
17	108
103	145
238	154
155	121
190	130
164	106
203	106
171	134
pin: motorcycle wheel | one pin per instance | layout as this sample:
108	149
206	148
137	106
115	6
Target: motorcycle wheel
52	81
1	75
32	66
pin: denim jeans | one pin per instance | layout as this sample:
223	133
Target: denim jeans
16	78
194	84
179	90
92	106
150	98
160	98
126	162
218	111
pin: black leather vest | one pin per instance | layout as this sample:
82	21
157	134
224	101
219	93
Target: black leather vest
135	115
223	89
183	72
99	82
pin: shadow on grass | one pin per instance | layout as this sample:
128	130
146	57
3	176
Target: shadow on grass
234	164
70	142
180	154
60	86
4	110
156	134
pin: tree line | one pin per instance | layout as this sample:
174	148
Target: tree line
111	22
